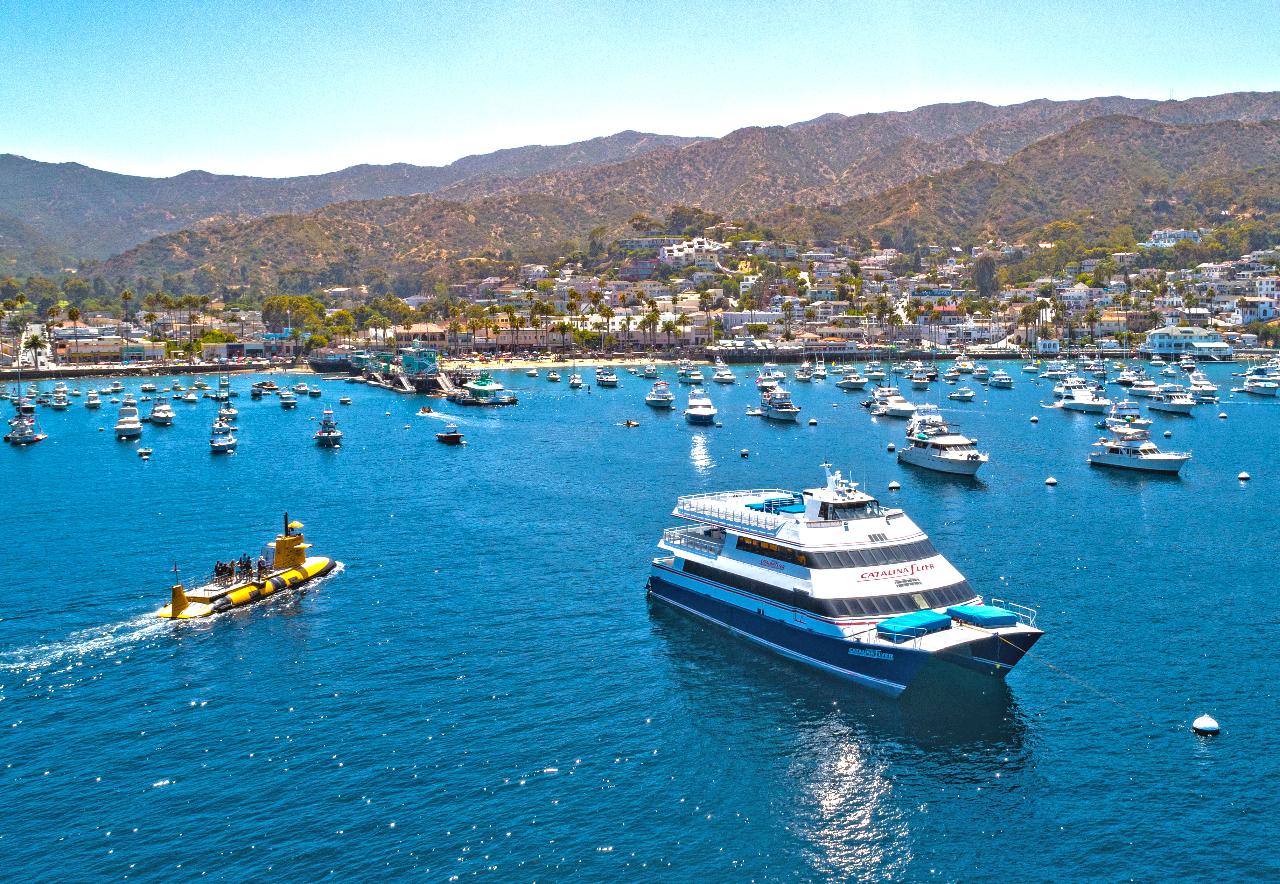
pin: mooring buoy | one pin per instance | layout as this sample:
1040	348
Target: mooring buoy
894	486
1051	481
1205	726
1244	477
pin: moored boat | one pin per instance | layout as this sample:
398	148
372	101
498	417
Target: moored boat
1132	449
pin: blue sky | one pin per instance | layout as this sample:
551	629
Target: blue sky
287	88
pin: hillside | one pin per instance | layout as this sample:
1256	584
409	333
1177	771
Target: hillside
1104	171
836	159
87	213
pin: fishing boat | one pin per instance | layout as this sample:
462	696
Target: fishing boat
128	426
284	564
660	396
804	374
700	410
328	435
931	443
777	406
835	580
820	369
93	400
450	435
221	438
1132	449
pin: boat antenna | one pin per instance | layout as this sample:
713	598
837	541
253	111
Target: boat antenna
286	524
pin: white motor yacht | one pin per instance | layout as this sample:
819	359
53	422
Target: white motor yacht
606	377
1261	386
820	370
575	381
1171	398
1001	379
650	372
1132	449
933	445
93	400
1124	414
161	412
851	380
1085	399
1143	386
128	425
724	375
660	396
221	439
777	406
699	409
964	365
874	372
962	394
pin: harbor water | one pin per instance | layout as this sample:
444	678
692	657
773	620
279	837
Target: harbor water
483	692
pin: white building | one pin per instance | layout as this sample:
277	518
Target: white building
1176	341
691	251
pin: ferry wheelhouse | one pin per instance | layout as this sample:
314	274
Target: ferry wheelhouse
832	578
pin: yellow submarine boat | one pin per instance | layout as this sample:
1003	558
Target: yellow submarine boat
289	567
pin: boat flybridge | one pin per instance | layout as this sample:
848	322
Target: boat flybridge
931	443
831	578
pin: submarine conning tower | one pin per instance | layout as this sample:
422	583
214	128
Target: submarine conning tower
290	548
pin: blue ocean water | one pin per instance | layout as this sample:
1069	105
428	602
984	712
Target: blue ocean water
484	692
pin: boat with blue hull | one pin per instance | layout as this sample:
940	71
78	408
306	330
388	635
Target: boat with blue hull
831	578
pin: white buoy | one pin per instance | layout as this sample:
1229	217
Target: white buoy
813	421
894	486
1051	481
1168	434
744	453
890	446
388	414
1205	726
1222	415
718	424
1034	419
1244	477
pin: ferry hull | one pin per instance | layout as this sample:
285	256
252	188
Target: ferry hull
885	669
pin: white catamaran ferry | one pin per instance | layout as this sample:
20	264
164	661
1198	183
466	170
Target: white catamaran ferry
832	578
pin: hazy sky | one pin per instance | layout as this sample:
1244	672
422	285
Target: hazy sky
283	87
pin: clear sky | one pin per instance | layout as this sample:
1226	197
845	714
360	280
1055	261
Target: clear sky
285	87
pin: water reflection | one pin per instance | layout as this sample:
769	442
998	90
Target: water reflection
700	454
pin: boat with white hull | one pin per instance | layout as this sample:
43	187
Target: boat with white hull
1132	449
831	578
700	410
660	396
933	445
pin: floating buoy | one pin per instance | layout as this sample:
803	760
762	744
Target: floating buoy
835	404
388	414
890	447
406	426
1168	434
894	486
1222	415
718	424
813	421
1205	726
1034	419
1244	477
744	453
1051	481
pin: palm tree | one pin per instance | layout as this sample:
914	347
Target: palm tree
73	314
125	297
50	320
669	329
35	344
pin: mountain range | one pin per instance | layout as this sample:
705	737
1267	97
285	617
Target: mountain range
946	170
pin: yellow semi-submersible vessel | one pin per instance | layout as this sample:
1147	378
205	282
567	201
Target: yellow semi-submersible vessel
284	565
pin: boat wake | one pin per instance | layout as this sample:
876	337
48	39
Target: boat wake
104	641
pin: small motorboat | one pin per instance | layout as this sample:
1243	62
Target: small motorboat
423	411
964	394
450	435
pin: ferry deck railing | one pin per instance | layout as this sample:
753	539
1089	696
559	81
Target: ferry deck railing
1025	615
692	539
711	506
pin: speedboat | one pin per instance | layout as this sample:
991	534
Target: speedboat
932	444
285	564
962	394
606	377
1156	360
700	410
1171	398
1132	449
1001	379
777	406
575	381
287	399
553	376
450	436
531	373
831	578
221	439
314	392
128	425
148	388
328	435
60	402
660	396
190	397
851	380
227	413
161	413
